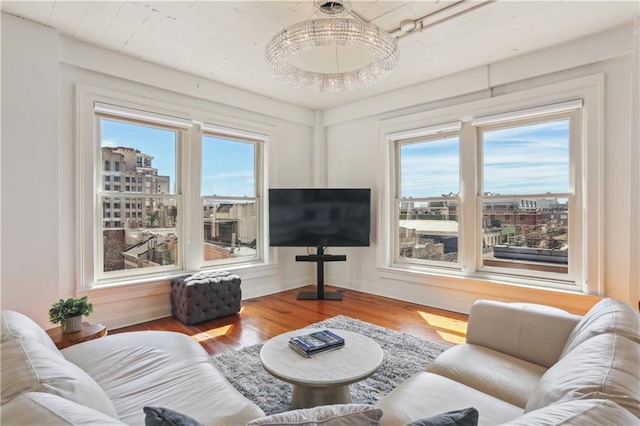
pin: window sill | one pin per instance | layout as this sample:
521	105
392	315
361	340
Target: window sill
148	283
455	278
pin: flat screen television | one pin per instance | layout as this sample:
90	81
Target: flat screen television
319	217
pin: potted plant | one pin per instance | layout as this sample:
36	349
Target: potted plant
68	313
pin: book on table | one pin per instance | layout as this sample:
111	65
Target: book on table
317	342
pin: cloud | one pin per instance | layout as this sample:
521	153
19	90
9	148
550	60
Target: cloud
532	159
109	143
238	183
229	175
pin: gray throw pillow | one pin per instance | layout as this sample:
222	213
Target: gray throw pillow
465	417
158	416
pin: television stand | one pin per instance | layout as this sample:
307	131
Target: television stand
320	258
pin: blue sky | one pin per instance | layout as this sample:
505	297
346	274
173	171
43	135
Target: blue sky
530	159
159	143
522	160
430	169
227	169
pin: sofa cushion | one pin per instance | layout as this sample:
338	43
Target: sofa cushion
161	369
577	412
465	417
28	366
426	394
325	415
606	316
18	326
39	408
503	376
534	333
602	367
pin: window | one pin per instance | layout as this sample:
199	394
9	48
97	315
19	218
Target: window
427	201
229	197
107	165
512	211
146	238
526	178
116	166
141	247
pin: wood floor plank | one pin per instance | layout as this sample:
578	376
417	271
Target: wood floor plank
265	317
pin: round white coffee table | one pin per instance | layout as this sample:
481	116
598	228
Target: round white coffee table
325	378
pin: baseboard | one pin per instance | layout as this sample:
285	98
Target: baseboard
460	300
109	307
132	318
406	293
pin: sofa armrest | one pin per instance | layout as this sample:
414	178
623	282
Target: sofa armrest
534	333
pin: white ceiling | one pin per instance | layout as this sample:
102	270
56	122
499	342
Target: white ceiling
224	40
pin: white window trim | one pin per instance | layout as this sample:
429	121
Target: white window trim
425	134
590	90
567	110
529	112
258	140
87	157
140	115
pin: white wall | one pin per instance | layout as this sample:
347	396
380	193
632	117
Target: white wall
634	181
30	216
352	133
40	71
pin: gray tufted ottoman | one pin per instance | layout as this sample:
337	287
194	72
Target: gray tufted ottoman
204	296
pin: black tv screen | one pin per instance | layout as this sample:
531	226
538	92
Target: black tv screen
313	217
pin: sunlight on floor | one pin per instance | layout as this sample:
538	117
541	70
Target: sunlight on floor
452	331
209	334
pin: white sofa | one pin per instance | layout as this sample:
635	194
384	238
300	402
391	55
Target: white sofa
526	364
108	381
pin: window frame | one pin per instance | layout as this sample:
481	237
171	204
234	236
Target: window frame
574	196
427	135
587	280
88	176
151	120
258	141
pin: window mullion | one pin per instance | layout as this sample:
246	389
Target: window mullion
577	256
191	169
468	219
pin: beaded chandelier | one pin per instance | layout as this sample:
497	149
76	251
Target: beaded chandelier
338	30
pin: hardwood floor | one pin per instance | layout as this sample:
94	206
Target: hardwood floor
265	317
